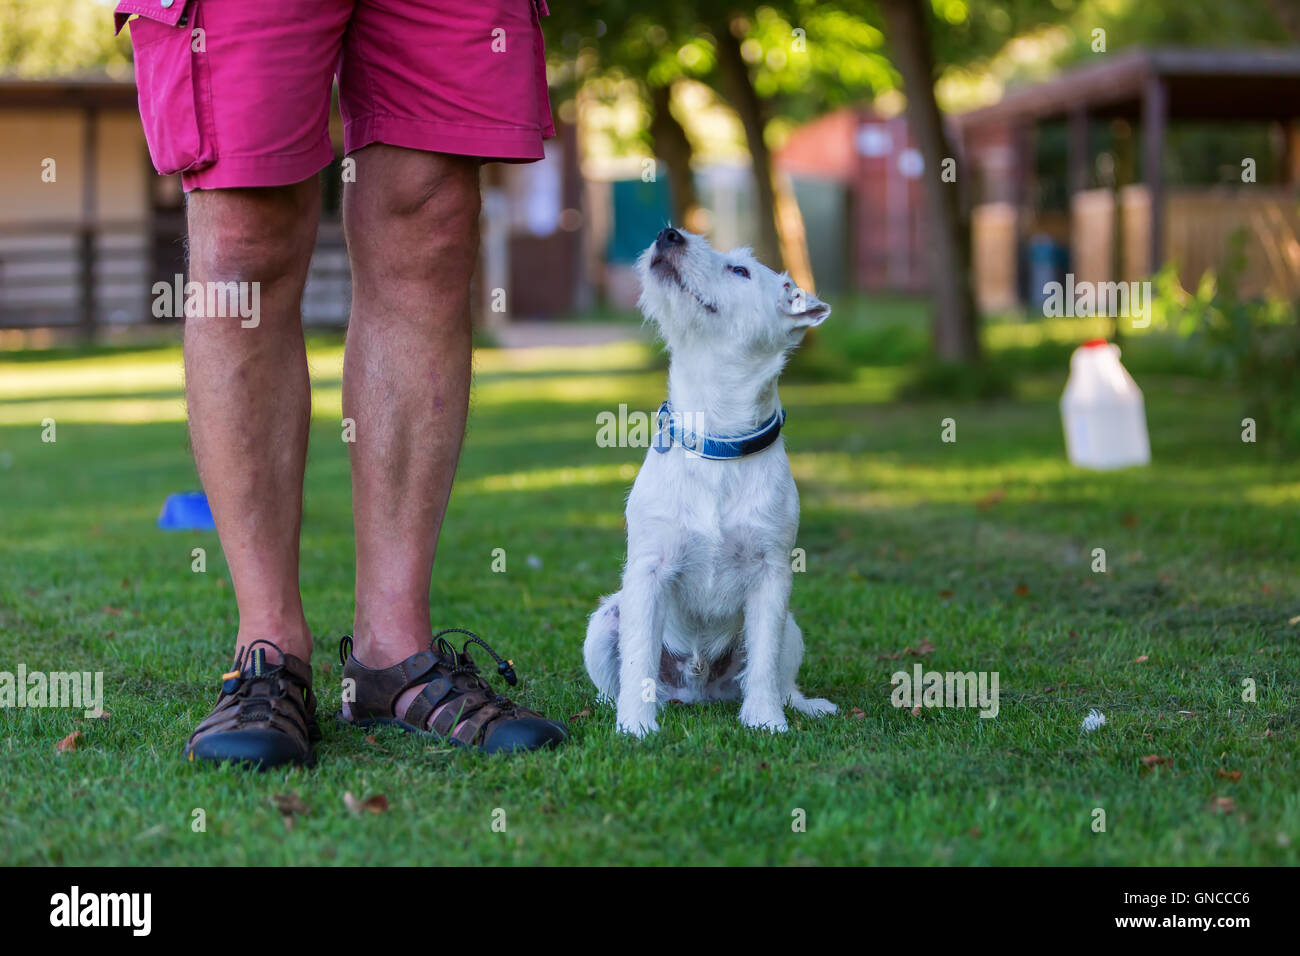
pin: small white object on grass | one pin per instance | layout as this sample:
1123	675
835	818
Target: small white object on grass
1094	720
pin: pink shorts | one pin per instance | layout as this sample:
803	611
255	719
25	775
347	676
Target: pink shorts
237	92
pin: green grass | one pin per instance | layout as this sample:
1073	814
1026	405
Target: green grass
981	548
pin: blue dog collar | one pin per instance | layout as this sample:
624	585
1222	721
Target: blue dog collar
713	447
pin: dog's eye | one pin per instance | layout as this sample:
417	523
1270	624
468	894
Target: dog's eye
740	271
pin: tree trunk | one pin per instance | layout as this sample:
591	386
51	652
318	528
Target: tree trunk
753	117
956	323
1287	15
672	146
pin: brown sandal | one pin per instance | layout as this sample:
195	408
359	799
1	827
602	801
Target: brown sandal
265	715
456	704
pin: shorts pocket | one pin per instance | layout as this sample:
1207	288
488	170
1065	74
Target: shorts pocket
173	81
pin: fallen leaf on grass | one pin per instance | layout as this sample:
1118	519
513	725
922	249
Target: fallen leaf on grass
1233	775
1222	805
857	713
370	739
1022	590
916	711
924	649
115	611
582	714
289	803
1130	520
69	742
945	594
992	498
376	804
1141	659
1154	760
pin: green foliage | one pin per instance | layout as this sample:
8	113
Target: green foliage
1253	343
974	381
39	38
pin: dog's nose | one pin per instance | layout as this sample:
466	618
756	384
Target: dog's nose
670	237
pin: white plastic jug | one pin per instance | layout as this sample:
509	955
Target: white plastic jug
1102	409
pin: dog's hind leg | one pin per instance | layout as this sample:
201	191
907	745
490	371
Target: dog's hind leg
600	651
791	658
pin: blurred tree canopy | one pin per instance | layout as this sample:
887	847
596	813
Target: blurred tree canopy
44	38
776	64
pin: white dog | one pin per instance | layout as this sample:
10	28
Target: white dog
703	612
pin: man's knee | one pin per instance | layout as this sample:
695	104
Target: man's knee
260	235
419	220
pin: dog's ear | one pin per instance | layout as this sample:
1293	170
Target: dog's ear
803	309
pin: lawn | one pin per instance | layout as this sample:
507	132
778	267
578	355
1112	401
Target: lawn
966	556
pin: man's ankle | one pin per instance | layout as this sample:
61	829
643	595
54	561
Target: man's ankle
384	649
295	640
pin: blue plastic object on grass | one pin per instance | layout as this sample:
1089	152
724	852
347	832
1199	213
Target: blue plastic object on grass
186	511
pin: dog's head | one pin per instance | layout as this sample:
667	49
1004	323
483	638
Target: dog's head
729	303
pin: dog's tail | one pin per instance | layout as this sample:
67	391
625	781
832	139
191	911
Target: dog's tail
600	652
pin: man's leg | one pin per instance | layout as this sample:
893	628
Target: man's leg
249	400
412	226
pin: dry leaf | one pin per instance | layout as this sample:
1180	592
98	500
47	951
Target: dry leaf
1154	760
69	742
370	739
945	594
582	714
1141	659
376	804
1233	775
116	612
1022	590
916	711
858	713
289	804
1222	805
992	498
1130	520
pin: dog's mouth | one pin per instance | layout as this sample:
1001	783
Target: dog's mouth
663	267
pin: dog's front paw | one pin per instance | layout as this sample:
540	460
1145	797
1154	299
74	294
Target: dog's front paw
637	727
637	718
815	706
771	719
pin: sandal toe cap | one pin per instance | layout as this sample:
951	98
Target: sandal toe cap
264	747
526	733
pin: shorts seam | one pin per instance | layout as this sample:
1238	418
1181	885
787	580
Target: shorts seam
535	128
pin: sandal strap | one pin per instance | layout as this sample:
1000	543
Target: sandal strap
377	689
417	714
459	707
